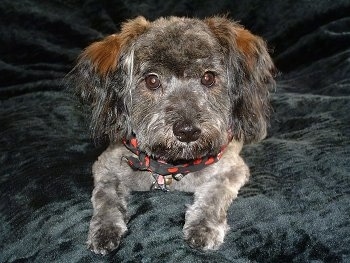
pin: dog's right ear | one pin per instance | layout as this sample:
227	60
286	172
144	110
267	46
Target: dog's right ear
101	76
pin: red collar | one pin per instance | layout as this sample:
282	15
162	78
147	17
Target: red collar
144	162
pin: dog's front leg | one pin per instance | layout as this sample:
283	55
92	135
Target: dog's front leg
206	222
108	223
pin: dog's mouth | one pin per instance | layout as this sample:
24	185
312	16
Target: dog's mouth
176	149
181	152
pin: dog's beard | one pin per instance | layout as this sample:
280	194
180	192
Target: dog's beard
163	145
179	151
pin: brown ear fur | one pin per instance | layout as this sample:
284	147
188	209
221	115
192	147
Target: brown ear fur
231	34
104	54
253	72
106	92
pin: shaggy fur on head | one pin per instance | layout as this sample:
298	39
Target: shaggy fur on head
185	88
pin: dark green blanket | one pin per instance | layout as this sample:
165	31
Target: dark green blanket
296	207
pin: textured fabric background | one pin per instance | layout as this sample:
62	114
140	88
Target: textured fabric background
296	207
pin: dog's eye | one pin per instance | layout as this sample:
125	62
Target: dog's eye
208	79
152	82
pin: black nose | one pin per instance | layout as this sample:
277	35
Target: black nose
186	132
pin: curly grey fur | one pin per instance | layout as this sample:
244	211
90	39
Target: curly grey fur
179	51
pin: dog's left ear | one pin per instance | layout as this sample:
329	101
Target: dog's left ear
251	73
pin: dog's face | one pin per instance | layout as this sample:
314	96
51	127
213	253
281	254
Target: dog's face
183	86
180	106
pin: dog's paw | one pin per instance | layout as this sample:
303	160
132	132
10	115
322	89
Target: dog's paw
105	238
205	235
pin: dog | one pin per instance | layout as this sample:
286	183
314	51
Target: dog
177	98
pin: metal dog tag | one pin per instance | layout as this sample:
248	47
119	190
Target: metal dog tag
160	183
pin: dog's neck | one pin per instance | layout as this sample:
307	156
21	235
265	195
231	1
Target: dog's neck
144	162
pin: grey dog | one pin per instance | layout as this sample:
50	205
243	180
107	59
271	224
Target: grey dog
177	98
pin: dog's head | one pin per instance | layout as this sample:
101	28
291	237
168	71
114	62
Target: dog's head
182	86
